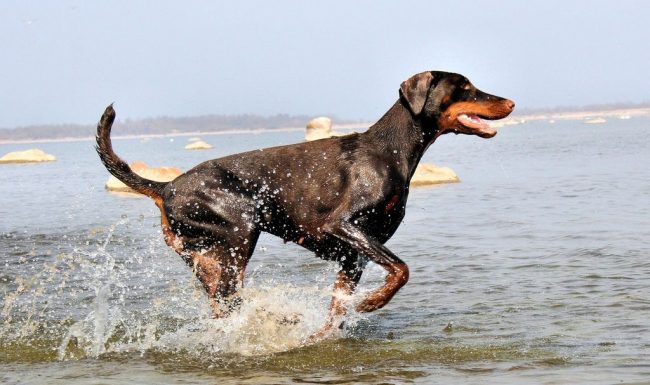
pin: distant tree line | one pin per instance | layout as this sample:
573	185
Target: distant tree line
162	125
215	123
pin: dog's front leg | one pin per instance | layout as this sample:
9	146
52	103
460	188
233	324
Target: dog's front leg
344	285
398	272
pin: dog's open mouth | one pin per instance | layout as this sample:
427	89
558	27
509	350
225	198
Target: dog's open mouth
477	125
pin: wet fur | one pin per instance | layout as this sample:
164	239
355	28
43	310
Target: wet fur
341	198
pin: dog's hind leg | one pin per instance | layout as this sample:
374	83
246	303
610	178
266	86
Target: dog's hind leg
220	269
212	229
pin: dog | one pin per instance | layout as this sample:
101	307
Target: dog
341	197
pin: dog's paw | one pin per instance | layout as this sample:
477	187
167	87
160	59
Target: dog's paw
324	333
332	329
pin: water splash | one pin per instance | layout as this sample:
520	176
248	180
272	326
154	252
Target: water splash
110	294
270	320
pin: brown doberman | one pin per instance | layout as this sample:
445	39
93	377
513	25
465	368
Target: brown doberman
341	197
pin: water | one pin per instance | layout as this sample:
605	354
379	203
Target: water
533	269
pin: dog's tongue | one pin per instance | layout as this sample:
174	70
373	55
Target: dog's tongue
473	121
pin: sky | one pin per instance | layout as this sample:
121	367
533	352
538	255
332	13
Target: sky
63	61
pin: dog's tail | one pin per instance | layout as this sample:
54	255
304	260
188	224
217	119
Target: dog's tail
117	166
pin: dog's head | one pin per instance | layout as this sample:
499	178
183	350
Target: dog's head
448	102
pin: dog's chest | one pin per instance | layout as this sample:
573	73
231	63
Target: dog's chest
382	220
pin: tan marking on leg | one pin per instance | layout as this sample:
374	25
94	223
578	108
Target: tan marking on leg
209	272
397	277
171	239
343	287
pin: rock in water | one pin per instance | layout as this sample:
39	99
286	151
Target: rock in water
320	128
198	145
28	156
160	174
428	174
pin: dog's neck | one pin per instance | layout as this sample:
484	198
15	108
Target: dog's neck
402	138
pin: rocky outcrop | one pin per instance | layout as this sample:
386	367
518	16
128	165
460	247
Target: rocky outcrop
28	156
429	174
198	145
160	174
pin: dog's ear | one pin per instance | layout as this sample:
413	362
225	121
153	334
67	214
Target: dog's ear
414	91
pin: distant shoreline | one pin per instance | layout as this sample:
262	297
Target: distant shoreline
584	116
581	115
346	127
511	120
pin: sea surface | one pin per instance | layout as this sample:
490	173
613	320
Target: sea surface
535	269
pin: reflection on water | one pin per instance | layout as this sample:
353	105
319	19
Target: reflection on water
534	269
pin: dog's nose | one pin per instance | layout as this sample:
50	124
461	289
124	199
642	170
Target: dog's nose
510	104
